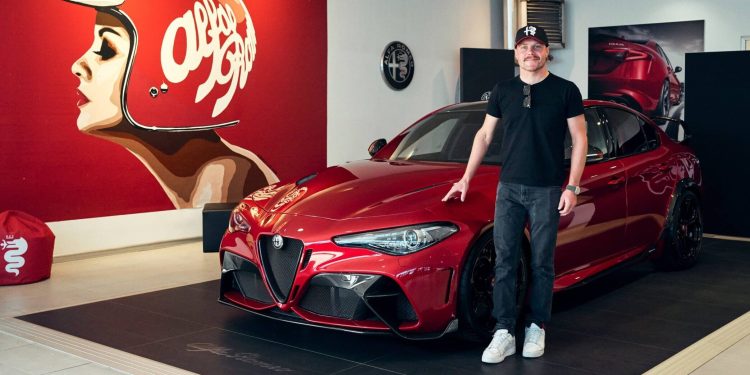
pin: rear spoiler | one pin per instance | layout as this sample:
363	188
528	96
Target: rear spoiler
672	127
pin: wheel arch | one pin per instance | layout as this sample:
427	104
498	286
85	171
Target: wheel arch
680	187
486	231
686	184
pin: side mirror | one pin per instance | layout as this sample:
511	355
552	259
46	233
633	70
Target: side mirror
677	69
375	146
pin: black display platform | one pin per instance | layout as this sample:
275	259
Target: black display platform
624	323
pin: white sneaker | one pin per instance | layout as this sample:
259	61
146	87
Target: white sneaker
502	345
533	343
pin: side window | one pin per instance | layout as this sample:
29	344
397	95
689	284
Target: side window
598	146
626	129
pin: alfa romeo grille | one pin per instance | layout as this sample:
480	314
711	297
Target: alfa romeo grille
280	264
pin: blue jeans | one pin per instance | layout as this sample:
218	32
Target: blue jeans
514	205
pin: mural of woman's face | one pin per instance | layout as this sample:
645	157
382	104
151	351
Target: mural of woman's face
101	70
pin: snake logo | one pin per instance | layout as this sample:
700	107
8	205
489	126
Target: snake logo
14	249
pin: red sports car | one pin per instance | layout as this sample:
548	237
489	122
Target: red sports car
636	73
369	246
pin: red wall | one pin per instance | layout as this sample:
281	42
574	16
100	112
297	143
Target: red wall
53	171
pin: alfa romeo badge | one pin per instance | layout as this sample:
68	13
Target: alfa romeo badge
397	65
277	241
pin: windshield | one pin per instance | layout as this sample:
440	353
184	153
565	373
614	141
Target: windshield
447	136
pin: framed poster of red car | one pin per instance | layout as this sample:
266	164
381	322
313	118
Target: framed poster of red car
642	66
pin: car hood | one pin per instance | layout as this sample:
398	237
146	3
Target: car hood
362	189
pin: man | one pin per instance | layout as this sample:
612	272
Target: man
536	107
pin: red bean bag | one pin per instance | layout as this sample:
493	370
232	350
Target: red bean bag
26	245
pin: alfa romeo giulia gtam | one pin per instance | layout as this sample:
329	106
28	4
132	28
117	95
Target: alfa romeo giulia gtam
368	246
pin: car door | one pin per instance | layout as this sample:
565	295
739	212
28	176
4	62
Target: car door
595	229
648	182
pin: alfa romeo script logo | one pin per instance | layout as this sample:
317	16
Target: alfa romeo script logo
278	241
397	65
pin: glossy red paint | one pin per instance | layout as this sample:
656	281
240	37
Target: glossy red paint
633	73
620	215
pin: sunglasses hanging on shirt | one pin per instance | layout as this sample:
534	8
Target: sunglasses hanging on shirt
527	96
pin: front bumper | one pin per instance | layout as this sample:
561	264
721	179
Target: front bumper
300	285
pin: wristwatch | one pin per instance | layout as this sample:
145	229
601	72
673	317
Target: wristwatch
575	189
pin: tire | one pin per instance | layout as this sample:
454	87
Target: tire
682	237
664	104
476	285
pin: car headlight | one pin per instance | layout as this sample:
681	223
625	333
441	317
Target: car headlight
238	222
399	241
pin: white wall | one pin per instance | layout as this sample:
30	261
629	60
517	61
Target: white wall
725	22
114	232
361	107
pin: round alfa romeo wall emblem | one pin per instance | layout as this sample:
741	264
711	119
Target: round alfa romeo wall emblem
397	65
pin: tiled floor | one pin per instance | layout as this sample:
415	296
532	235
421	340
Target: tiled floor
26	348
29	349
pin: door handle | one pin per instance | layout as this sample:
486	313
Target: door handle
617	180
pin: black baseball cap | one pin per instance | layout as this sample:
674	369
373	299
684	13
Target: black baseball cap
532	32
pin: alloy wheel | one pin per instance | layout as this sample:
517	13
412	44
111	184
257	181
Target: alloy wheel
664	99
689	228
483	282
